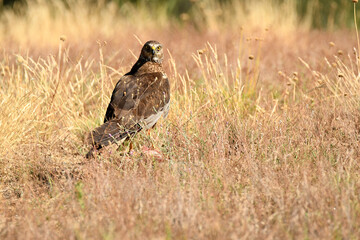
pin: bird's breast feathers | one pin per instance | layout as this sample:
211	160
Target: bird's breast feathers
149	67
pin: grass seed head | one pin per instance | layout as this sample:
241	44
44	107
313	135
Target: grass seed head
63	38
281	74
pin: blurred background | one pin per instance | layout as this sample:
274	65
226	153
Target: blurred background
41	22
320	14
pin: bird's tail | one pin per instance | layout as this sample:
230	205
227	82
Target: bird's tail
108	133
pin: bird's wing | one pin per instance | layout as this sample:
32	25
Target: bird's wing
137	102
154	101
121	97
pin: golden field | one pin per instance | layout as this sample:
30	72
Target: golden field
261	142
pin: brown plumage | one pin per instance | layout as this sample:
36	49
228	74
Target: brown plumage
139	99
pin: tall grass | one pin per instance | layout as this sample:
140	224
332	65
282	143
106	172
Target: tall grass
342	77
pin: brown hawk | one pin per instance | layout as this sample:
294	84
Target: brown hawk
138	101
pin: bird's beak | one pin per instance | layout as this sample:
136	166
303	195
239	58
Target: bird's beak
153	50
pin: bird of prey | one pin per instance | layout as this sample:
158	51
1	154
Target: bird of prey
138	101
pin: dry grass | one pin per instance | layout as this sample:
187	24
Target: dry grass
258	144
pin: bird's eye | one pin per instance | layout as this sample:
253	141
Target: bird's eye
158	48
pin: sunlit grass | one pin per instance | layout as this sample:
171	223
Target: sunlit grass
257	144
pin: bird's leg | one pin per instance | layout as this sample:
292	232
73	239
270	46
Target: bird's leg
94	151
130	146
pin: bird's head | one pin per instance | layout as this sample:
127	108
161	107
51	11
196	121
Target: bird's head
152	51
